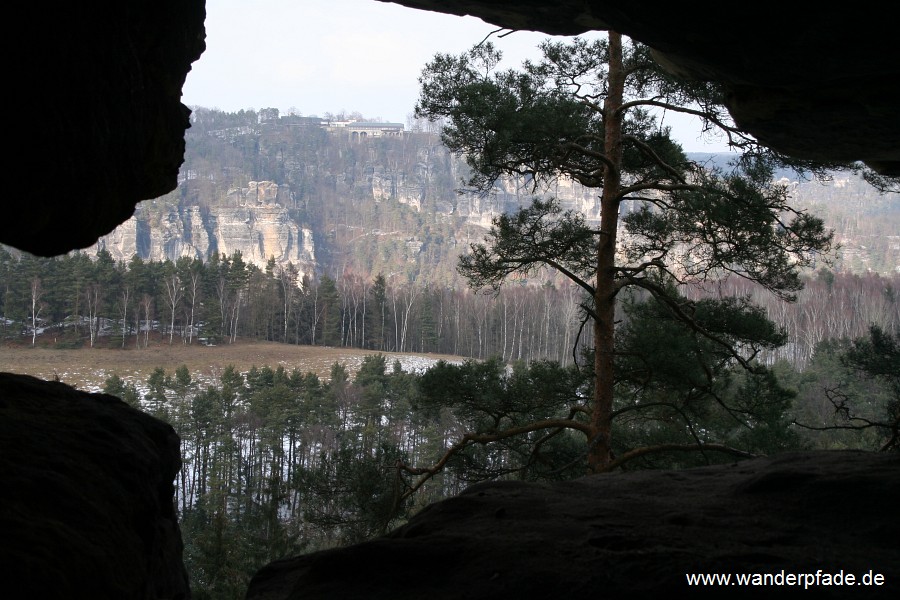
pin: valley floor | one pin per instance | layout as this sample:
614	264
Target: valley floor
87	368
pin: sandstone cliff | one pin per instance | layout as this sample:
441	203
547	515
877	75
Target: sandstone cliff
250	220
312	186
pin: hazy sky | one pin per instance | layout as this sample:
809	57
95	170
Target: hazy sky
319	56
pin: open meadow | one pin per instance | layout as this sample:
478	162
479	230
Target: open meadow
87	368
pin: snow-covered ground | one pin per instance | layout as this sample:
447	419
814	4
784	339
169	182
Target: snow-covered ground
94	380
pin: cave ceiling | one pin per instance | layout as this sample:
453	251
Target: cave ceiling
812	83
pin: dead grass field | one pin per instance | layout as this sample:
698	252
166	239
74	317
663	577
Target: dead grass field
87	368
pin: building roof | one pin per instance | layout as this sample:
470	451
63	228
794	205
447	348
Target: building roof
369	125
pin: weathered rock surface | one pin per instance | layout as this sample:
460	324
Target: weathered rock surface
628	535
86	507
252	220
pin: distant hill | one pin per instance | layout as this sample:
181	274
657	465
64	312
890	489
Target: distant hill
325	198
371	199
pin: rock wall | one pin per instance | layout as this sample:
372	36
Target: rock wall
99	95
511	194
252	220
255	218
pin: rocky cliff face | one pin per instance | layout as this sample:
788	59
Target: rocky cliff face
321	196
324	202
512	194
251	220
292	219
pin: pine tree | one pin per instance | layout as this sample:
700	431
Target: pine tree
588	111
329	306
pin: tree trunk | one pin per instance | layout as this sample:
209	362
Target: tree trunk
125	293
36	293
599	444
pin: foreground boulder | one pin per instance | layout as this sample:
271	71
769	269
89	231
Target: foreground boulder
86	502
631	535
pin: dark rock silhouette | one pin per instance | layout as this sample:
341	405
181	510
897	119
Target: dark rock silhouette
628	535
86	504
98	123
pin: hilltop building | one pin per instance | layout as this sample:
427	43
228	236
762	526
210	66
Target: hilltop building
358	130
